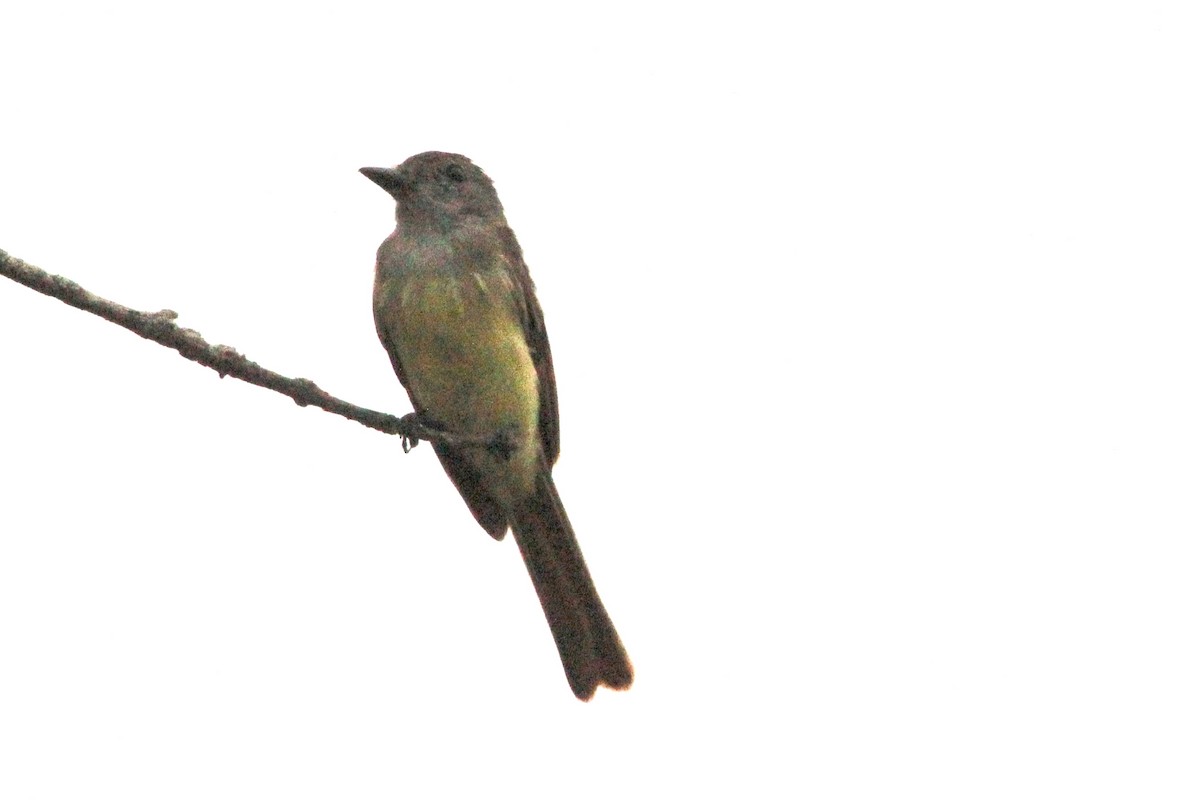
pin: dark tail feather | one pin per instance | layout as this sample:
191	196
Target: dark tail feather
588	644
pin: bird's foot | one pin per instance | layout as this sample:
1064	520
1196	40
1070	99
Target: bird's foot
410	429
503	444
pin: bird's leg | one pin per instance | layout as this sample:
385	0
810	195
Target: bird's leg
411	429
503	443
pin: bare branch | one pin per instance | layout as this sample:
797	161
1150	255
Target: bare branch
160	327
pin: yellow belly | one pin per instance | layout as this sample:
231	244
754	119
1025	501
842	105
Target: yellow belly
468	366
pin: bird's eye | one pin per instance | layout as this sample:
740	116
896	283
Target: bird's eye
455	173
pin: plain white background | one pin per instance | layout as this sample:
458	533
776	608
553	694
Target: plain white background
876	335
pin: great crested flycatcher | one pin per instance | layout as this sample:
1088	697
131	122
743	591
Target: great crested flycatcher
456	312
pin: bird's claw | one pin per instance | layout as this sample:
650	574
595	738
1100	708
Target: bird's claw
503	444
410	424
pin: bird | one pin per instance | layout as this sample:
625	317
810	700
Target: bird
455	309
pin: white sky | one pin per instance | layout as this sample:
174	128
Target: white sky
876	336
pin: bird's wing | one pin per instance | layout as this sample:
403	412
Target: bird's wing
539	348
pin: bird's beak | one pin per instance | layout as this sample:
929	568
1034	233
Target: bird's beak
388	179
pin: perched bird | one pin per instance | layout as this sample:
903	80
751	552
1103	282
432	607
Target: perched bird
456	312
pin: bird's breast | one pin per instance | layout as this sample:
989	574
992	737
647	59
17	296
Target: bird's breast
462	346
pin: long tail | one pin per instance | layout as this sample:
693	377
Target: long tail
588	644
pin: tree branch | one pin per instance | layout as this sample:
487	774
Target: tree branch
161	328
